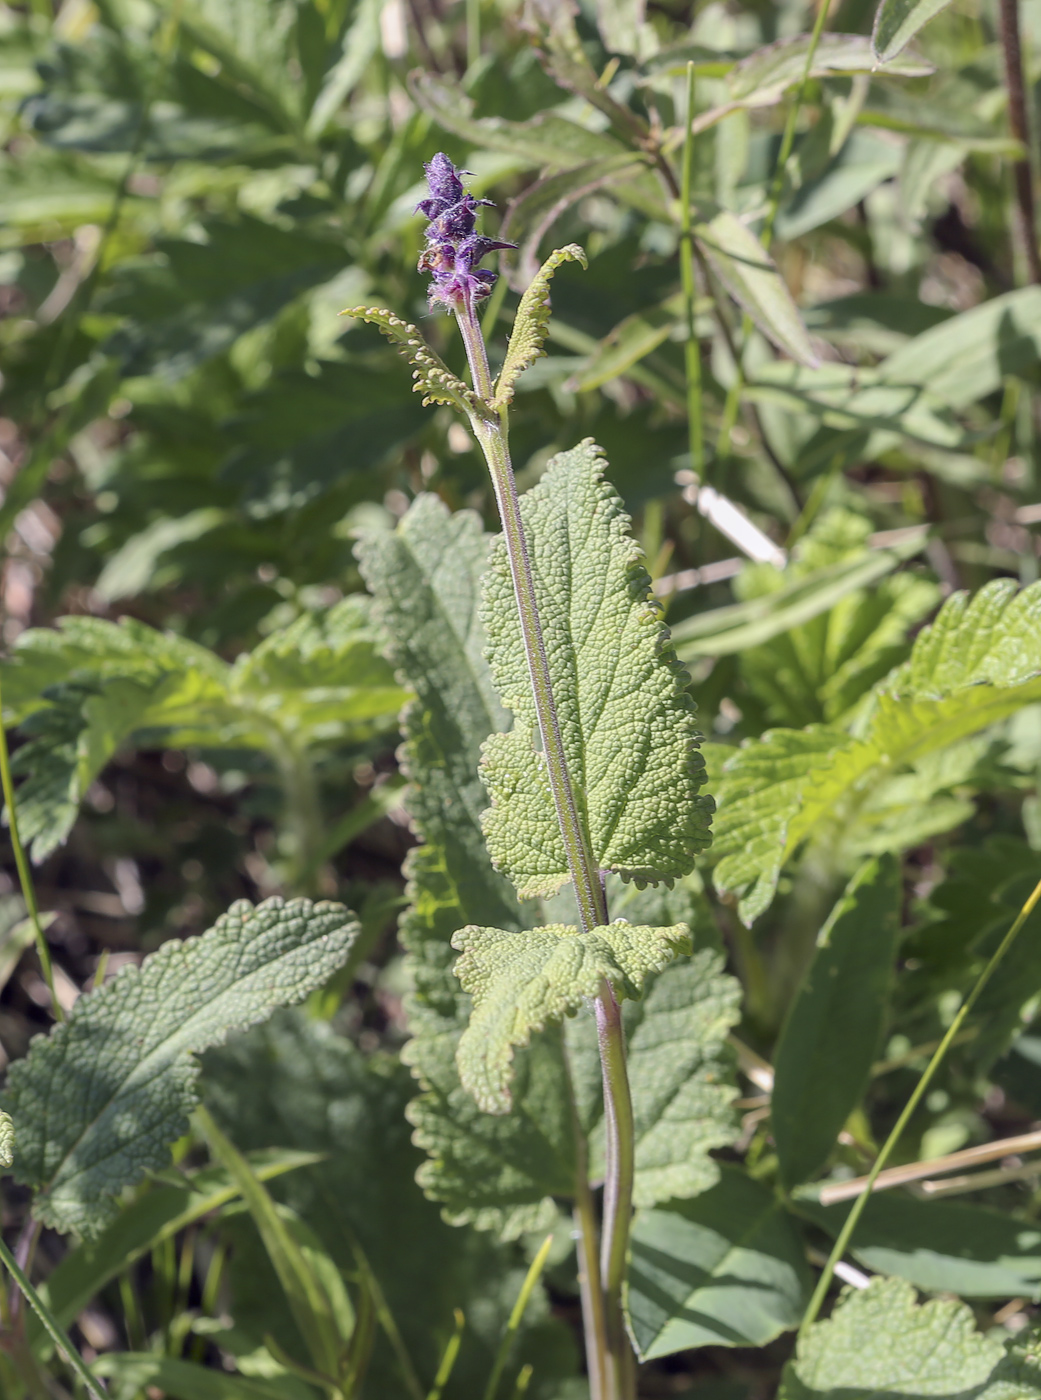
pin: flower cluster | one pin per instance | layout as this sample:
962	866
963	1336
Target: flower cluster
453	248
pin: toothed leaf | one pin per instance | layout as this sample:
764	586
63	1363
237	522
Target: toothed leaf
433	379
6	1140
522	982
627	722
100	1100
531	324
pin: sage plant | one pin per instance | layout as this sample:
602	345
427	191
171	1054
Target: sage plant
600	771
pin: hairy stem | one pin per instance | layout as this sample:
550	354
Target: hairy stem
692	351
846	1234
25	877
1019	125
617	1363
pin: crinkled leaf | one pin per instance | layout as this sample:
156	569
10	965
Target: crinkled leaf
881	1341
531	324
898	21
498	1172
626	720
100	1100
978	663
521	983
830	1038
751	276
727	1269
433	379
6	1140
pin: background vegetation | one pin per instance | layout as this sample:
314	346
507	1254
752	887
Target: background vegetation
193	442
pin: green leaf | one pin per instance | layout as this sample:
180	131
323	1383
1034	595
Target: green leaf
727	1269
681	1066
880	1341
519	984
100	1100
499	1172
939	1246
135	1371
898	21
978	663
6	1140
433	379
627	722
767	73
751	276
531	325
830	1038
862	164
626	345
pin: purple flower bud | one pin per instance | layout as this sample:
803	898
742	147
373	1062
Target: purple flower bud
453	247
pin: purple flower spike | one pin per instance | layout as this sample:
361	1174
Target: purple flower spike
453	247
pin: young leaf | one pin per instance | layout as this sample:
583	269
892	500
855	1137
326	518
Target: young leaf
978	663
499	1172
939	1246
830	1038
531	324
103	1097
433	379
726	1269
626	720
520	984
898	21
751	276
880	1341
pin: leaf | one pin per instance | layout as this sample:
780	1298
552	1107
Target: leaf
879	1341
939	1246
100	1100
531	325
822	1063
498	1172
626	345
765	74
6	1140
433	379
627	722
862	164
361	43
898	21
521	983
751	276
184	1380
726	1269
681	1066
979	662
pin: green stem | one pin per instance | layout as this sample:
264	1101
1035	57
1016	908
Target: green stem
491	431
859	1205
51	1325
692	350
473	32
517	1316
24	873
733	398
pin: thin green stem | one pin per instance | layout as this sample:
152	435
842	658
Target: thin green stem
618	1181
444	1371
733	398
51	1324
692	354
516	1317
859	1205
473	32
24	872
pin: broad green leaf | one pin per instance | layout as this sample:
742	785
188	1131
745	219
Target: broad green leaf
751	276
681	1067
898	21
134	1371
361	43
6	1140
726	1269
939	1246
500	1172
626	720
978	663
106	1093
295	1080
433	379
862	164
830	1038
880	1341
531	325
521	983
161	1213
